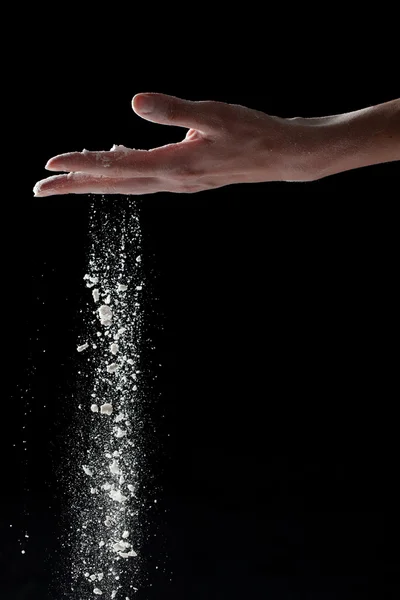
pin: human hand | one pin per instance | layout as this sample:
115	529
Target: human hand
225	144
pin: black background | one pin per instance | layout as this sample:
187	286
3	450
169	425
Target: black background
273	323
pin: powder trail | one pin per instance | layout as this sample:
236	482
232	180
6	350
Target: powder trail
108	448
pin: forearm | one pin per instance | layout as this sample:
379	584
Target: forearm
357	139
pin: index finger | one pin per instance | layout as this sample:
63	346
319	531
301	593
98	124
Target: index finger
121	161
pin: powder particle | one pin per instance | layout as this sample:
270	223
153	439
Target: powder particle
119	433
83	347
101	544
114	348
97	592
107	300
120	546
87	470
94	408
121	287
114	468
105	314
117	496
113	594
131	487
96	295
106	409
116	148
125	534
108	522
112	368
138	259
100	576
91	281
127	554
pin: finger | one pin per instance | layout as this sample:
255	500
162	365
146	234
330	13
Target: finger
81	183
205	116
122	163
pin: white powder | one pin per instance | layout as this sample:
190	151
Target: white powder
131	487
120	417
125	535
94	408
108	522
97	591
101	544
106	409
83	347
113	594
121	287
100	576
114	348
106	315
87	470
112	368
96	295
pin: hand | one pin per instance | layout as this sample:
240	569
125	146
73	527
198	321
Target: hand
225	144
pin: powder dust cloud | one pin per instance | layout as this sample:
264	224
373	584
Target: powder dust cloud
108	502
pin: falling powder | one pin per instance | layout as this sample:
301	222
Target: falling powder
109	507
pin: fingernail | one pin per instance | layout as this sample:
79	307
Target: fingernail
144	104
53	167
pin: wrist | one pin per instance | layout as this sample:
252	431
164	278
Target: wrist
352	140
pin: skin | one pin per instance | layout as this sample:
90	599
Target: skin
227	144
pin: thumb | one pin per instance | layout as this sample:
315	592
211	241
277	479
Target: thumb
169	110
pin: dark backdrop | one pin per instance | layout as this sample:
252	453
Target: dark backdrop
272	321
